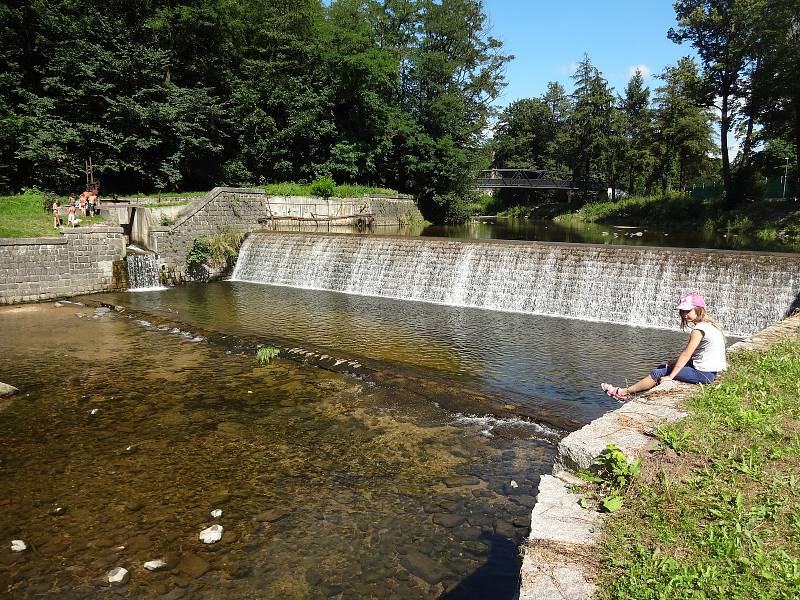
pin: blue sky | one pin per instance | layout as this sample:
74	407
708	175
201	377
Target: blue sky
549	37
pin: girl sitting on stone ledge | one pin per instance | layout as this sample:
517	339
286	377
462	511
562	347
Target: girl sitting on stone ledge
699	362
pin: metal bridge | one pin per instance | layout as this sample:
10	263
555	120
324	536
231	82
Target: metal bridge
536	180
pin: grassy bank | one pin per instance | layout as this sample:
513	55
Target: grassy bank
716	513
339	191
24	216
769	221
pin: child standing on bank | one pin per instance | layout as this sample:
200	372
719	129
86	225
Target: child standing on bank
56	214
699	362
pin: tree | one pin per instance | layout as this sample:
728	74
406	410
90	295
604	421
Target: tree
635	105
524	134
591	120
683	125
722	33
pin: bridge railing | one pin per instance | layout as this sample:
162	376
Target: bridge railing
536	179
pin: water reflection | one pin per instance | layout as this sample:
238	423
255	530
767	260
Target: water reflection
580	233
542	358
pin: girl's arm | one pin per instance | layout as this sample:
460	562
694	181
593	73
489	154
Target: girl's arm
686	355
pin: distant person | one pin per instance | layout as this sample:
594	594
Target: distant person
56	214
92	200
699	362
83	205
71	218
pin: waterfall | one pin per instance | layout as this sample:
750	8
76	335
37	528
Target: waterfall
746	291
142	273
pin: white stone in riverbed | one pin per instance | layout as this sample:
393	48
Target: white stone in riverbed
118	575
94	411
216	513
155	565
514	484
211	534
18	546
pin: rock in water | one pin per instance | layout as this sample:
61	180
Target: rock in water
211	534
18	546
216	513
7	390
155	565
57	511
192	565
118	576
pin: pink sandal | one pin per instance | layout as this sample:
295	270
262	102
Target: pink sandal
614	392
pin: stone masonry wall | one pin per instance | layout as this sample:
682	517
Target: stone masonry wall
82	261
241	208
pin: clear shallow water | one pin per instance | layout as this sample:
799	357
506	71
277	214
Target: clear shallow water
537	361
329	487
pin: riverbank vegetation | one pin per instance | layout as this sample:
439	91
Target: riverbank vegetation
716	512
777	221
654	142
193	94
29	215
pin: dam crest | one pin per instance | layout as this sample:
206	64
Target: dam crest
638	286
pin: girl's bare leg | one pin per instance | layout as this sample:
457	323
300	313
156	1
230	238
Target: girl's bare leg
642	385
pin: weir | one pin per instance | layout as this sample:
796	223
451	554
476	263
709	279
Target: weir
142	272
630	285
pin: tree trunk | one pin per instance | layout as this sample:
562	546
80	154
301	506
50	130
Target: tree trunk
724	127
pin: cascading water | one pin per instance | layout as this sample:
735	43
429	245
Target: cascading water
632	285
142	273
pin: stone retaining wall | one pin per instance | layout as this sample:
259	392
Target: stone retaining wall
559	553
81	261
241	208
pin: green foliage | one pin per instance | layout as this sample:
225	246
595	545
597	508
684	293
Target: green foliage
165	220
213	251
724	522
191	94
324	187
340	191
672	436
197	256
266	353
25	216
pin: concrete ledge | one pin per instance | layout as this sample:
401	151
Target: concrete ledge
91	229
38	241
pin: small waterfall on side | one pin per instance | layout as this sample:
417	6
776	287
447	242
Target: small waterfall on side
631	285
142	273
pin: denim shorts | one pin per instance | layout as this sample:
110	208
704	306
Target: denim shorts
687	374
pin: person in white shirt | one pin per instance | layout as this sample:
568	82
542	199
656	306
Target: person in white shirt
699	362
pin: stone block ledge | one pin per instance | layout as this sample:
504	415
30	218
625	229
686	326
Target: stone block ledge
37	241
560	560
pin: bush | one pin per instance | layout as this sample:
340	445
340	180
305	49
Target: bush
324	187
215	251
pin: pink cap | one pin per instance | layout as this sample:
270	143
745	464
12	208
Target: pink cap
691	300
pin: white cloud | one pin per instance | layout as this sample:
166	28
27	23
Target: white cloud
643	69
568	69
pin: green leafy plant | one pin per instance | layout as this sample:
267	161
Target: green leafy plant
614	474
196	257
165	220
266	353
213	251
672	436
324	187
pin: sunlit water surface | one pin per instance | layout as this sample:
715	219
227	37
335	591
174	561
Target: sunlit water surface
329	486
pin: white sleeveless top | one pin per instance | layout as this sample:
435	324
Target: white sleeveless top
710	354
